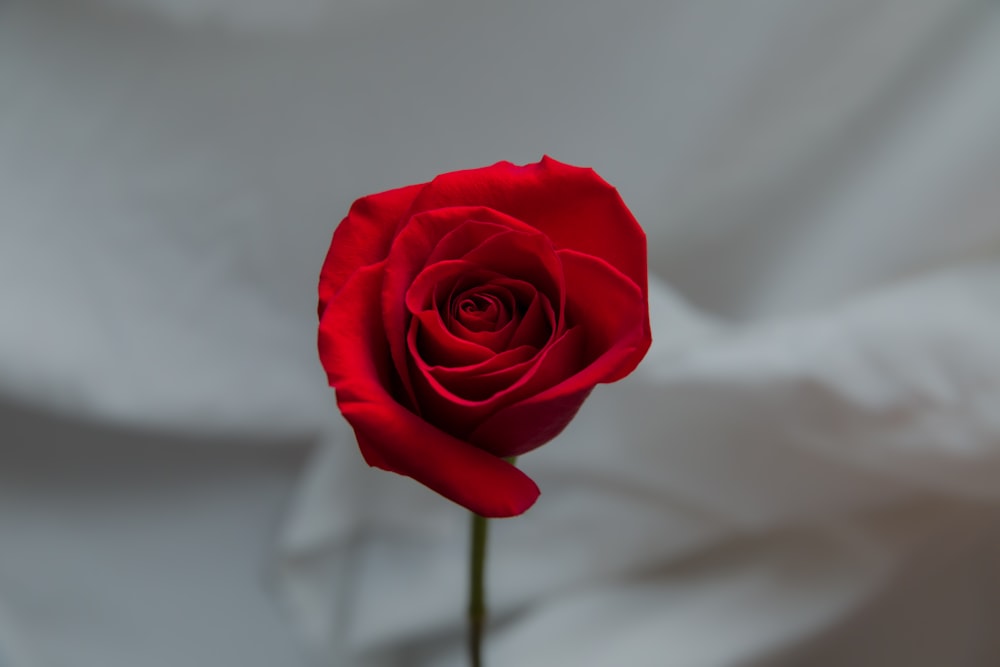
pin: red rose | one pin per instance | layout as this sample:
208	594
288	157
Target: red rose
465	320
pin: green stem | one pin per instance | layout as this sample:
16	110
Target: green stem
477	584
477	592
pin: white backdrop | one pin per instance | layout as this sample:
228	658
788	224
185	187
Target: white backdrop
804	471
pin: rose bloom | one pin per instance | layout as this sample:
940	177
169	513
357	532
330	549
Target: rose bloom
464	321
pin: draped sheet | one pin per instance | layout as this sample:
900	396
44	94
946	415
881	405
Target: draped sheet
804	471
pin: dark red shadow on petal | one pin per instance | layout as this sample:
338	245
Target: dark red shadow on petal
460	414
525	426
538	324
480	381
430	339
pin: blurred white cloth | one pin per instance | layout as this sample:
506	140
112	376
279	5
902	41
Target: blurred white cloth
804	471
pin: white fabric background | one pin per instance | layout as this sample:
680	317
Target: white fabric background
804	471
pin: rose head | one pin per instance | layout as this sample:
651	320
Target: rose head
465	320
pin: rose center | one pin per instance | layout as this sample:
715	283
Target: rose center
479	306
480	311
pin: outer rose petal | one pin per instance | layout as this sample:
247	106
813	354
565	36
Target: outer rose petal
617	326
363	238
573	206
353	350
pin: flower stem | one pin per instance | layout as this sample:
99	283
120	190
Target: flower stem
477	592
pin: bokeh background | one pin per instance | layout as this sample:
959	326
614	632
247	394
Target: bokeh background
805	470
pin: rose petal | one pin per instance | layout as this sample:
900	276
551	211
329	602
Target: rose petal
522	427
618	334
495	340
363	237
497	362
617	340
480	381
430	340
573	206
354	351
465	237
529	257
459	414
